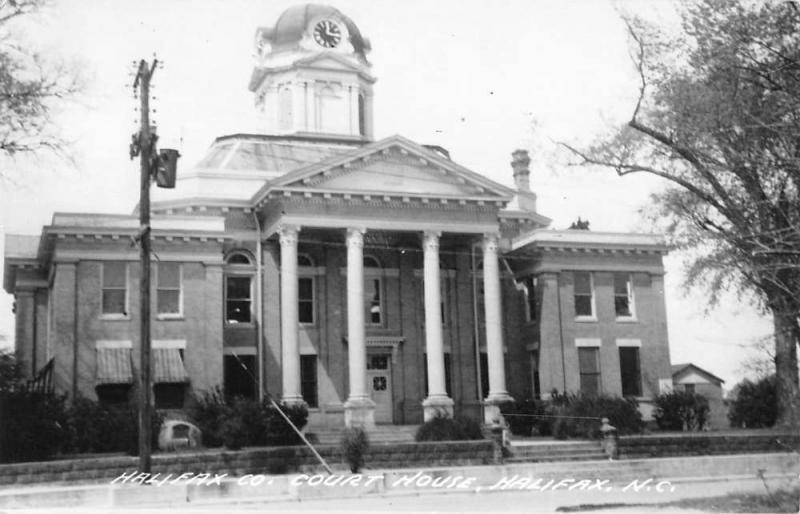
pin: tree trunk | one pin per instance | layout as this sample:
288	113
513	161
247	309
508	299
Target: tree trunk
785	322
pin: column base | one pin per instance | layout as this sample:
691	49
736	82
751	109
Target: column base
491	408
293	401
437	406
359	413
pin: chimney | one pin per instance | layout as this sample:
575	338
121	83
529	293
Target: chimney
520	162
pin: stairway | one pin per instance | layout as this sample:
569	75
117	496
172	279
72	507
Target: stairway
555	451
380	434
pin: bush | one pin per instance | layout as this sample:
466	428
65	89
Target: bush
354	445
756	404
680	410
449	429
522	417
579	415
33	426
94	427
244	422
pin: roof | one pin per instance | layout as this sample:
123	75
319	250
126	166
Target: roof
291	26
677	369
589	239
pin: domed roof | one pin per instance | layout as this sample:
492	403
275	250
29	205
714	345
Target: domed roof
292	24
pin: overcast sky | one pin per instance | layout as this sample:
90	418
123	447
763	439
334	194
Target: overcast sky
472	76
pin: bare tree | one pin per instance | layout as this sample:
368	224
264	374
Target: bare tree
718	117
32	87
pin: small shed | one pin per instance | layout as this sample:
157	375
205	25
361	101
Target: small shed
694	379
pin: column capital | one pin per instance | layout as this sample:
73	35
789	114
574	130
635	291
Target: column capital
430	240
355	237
491	242
288	234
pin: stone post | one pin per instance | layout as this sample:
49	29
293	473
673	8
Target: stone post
290	349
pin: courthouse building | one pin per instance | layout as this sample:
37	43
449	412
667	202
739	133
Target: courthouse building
377	281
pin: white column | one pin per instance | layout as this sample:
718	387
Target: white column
290	349
494	324
437	402
359	408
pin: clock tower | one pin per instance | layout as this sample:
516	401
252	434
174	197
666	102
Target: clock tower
312	76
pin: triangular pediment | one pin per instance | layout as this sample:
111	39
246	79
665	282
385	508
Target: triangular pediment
330	61
393	166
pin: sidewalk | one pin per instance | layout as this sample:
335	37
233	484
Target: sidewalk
588	482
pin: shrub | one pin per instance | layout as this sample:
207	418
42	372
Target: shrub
579	415
756	404
244	422
209	412
681	410
33	426
354	446
443	428
522	417
94	427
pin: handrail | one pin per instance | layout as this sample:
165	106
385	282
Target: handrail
316	453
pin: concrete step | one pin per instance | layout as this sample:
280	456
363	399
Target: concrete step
556	458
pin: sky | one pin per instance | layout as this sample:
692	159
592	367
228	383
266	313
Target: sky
478	77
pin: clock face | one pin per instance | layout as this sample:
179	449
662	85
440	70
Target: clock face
327	34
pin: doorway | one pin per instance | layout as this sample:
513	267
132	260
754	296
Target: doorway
379	379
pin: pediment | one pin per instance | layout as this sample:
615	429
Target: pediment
330	61
394	166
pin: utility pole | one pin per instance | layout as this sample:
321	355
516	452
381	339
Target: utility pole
144	145
162	167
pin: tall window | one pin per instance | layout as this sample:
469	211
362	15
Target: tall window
285	109
589	362
308	379
584	294
535	385
530	298
623	295
115	288
305	292
630	371
238	299
484	366
239	372
168	289
373	301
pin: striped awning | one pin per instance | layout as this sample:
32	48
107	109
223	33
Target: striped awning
114	366
168	366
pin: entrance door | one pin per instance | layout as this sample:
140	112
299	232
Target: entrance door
379	379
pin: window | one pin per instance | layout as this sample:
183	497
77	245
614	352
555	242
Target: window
530	298
535	385
169	395
588	360
362	121
484	365
168	290
623	295
447	374
308	379
689	388
238	299
630	371
115	288
372	292
240	375
584	294
305	300
239	258
285	109
113	394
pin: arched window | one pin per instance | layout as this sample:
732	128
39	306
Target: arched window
373	290
239	258
239	274
304	260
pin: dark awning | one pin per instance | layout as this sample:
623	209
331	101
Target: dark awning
168	366
114	366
